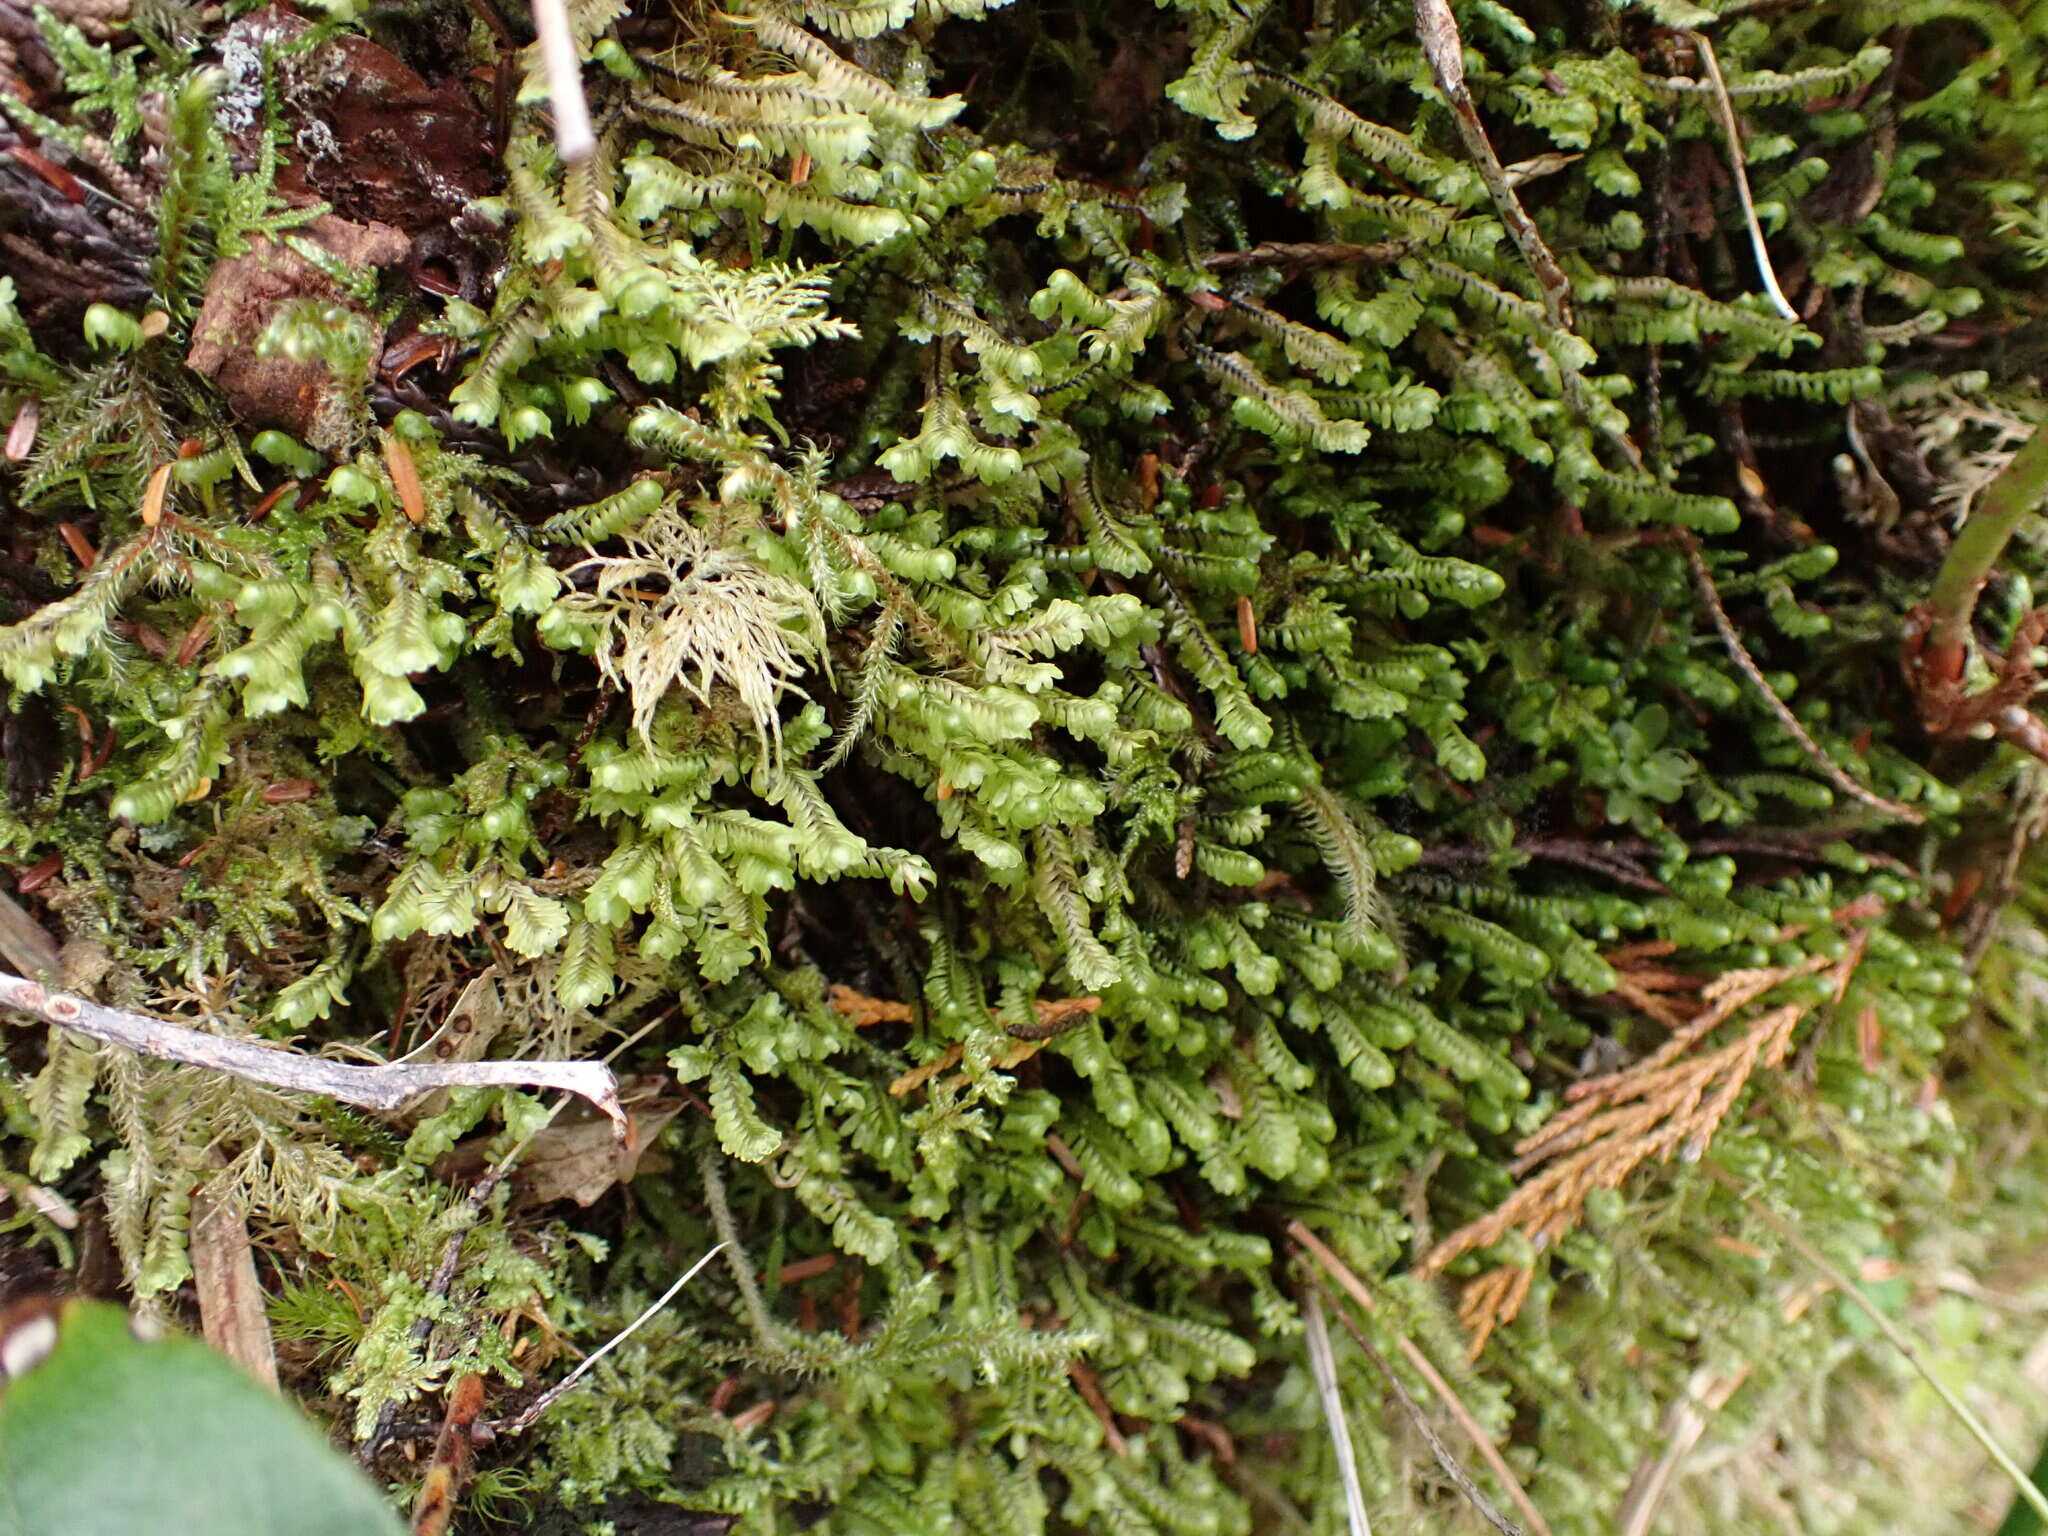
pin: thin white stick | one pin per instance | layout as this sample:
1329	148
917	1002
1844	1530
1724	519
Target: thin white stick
1724	110
384	1086
546	1400
574	141
1322	1364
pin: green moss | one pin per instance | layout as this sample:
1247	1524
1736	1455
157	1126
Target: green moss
891	529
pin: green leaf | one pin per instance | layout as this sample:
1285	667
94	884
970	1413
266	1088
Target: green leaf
110	1435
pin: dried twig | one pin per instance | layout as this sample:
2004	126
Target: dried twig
1459	1477
1322	1364
1308	254
1739	654
383	1086
1354	1287
1445	50
1724	113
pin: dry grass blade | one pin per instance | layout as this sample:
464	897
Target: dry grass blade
1461	1479
574	141
548	1399
1896	1337
1686	1421
384	1086
1354	1287
1724	113
1322	1364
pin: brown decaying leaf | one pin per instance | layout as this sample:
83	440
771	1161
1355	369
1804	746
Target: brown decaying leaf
231	1312
66	184
40	873
268	504
195	640
153	495
405	478
577	1157
25	943
80	546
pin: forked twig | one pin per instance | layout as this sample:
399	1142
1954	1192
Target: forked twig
383	1086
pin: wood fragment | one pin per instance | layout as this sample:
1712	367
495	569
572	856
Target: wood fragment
231	1309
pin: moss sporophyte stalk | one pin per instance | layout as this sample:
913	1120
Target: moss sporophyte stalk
1078	633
